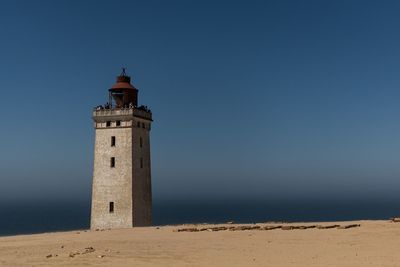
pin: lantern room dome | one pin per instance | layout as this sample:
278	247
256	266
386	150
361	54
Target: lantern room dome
123	82
123	85
123	92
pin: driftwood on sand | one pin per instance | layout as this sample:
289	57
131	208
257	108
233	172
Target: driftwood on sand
265	227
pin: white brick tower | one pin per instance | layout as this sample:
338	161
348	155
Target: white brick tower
121	190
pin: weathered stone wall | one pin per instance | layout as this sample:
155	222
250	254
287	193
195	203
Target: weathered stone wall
142	201
128	184
112	184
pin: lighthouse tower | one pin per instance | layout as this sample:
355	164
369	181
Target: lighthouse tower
121	190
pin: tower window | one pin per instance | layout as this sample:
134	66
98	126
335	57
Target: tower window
112	140
112	162
108	123
143	125
118	123
138	124
141	141
141	162
111	207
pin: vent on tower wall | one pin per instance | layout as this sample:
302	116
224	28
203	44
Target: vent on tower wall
112	162
111	208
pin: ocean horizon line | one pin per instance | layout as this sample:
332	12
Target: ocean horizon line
42	217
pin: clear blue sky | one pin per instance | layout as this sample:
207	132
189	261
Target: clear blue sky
251	99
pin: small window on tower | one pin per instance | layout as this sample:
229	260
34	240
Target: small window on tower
143	125
111	207
108	123
112	162
112	140
141	142
141	162
138	124
118	123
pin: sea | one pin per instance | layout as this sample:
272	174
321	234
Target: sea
51	216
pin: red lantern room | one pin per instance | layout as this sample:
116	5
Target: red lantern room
123	92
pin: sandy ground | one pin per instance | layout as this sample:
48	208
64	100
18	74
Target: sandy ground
374	243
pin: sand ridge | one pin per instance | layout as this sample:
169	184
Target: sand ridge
373	243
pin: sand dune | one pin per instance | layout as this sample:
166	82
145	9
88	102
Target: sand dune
374	243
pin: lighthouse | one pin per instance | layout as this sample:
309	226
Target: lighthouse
121	188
